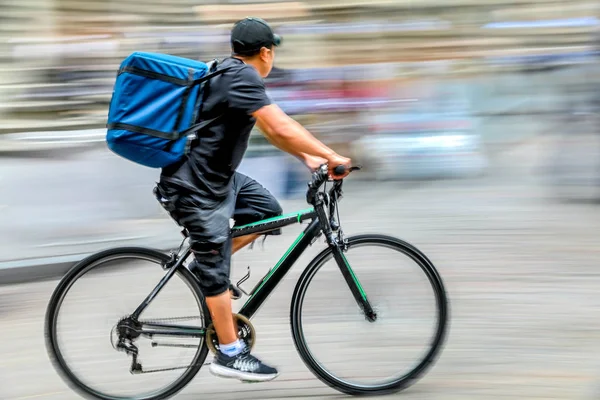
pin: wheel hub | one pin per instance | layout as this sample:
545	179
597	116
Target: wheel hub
128	329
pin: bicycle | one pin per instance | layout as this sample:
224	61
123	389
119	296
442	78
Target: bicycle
323	219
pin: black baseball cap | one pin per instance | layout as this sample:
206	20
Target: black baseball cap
250	34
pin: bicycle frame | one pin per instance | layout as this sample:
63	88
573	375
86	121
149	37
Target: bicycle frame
269	282
318	225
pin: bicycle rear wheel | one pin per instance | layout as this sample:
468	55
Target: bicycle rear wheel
329	329
88	357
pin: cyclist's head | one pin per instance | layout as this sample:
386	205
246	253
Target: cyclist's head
253	40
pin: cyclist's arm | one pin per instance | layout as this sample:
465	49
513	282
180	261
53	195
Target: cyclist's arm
247	94
288	135
271	137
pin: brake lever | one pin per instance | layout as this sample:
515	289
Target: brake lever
318	178
335	193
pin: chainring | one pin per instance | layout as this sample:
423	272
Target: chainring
246	333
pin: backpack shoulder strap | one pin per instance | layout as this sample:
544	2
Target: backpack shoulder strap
212	72
198	127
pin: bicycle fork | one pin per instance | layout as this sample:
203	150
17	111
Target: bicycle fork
353	283
337	246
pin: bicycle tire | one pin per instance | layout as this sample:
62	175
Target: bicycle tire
54	306
409	378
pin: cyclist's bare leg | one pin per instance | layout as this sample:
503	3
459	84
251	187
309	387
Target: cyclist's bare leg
220	306
241	242
229	362
222	317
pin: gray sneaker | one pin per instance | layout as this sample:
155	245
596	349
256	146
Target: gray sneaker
244	367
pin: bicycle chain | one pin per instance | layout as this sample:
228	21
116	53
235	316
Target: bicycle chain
168	319
151	371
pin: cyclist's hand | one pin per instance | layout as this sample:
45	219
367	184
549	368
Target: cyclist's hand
337	160
313	162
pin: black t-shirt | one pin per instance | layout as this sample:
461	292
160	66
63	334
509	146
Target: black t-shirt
234	95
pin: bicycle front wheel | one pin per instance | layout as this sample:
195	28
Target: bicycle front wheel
341	346
87	321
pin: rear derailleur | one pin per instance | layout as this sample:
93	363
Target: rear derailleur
127	331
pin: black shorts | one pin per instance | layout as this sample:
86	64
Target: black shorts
207	220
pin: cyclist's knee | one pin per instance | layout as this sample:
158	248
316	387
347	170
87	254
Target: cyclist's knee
209	253
211	266
213	279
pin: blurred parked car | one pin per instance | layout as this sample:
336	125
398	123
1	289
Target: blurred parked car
426	139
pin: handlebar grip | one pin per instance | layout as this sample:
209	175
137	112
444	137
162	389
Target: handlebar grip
339	170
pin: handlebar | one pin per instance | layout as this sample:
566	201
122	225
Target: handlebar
340	170
320	176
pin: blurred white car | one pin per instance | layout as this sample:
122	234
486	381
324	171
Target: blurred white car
428	140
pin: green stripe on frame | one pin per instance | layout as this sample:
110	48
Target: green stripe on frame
354	278
297	214
272	271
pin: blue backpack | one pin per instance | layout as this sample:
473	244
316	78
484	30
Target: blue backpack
152	117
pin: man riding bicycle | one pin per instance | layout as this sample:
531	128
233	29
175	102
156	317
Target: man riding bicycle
203	191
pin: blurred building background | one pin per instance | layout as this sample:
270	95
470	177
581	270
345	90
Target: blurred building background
346	66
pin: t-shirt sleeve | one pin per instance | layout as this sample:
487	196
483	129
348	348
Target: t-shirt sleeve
247	92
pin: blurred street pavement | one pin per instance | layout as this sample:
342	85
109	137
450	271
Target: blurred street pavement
521	271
